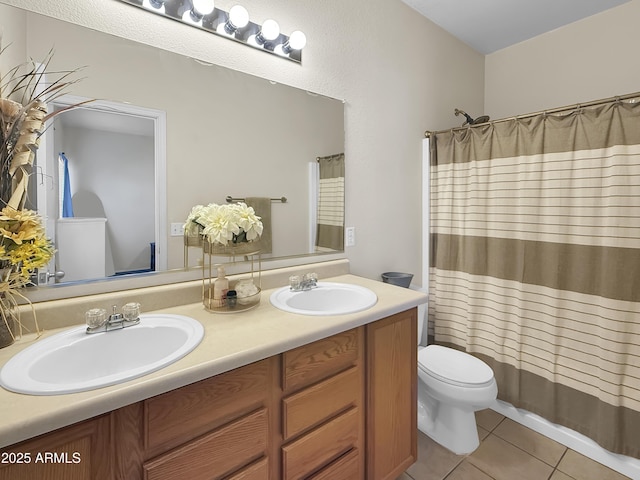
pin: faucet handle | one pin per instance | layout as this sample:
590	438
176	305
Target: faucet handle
311	277
295	282
95	317
131	311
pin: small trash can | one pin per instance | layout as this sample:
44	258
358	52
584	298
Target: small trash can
397	278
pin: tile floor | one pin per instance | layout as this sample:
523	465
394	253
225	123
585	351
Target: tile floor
507	451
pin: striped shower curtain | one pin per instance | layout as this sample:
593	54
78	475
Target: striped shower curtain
330	229
535	262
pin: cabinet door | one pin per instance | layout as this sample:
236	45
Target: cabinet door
392	369
216	454
78	452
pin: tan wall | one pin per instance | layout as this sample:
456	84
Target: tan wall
13	22
398	73
588	60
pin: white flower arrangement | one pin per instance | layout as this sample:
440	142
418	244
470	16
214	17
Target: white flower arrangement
224	224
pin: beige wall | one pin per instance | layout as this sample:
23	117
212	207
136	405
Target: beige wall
13	22
588	60
398	73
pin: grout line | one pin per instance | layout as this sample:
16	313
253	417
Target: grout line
498	424
448	475
566	450
529	453
532	455
565	474
454	467
557	466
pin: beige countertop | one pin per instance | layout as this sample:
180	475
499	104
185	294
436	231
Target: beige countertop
230	341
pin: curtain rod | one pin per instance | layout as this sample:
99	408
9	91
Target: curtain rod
329	157
576	106
231	199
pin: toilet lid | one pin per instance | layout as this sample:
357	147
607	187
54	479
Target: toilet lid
453	366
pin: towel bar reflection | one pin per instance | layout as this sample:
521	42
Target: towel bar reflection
231	199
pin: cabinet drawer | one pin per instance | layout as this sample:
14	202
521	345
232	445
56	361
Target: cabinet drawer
315	404
347	467
311	363
320	446
216	454
184	414
256	471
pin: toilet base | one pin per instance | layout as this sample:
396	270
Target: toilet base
454	427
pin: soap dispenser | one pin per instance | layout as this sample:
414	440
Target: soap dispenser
220	288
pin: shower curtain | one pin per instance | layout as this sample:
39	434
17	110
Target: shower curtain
535	262
330	231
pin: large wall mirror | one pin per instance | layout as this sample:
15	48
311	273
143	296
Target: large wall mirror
166	133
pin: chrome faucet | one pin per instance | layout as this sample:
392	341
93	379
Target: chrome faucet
97	320
304	283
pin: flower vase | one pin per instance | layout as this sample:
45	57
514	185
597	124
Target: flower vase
232	249
240	237
191	239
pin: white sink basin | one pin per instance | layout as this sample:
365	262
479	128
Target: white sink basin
327	298
73	361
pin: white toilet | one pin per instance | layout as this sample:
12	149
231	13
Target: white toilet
452	386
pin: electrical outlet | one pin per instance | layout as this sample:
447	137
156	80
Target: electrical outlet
177	229
351	236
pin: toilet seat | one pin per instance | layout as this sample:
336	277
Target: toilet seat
454	367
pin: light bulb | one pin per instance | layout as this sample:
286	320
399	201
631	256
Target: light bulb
154	4
270	30
238	17
297	40
203	7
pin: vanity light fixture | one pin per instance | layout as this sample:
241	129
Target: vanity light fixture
268	33
238	18
297	41
201	8
157	4
234	25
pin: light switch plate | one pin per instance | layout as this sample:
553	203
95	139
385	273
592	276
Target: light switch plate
177	229
350	236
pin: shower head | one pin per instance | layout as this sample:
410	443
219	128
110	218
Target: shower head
469	120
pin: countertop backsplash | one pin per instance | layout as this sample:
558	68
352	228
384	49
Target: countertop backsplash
68	312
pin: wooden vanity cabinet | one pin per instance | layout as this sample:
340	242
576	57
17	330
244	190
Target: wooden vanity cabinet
77	452
340	408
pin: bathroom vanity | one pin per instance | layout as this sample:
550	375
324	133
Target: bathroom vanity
288	397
